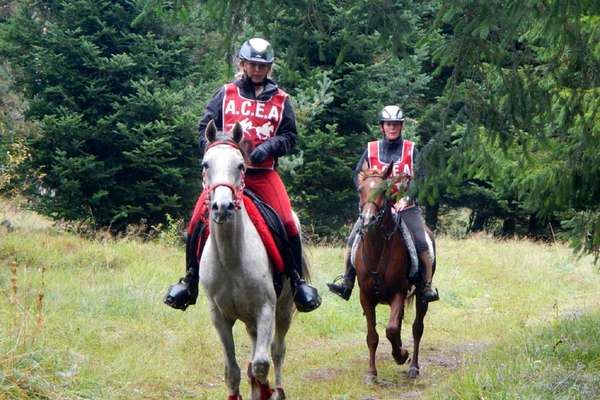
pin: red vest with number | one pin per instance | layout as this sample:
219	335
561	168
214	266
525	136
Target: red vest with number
259	119
404	165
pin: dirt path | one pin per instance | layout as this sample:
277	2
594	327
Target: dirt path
437	363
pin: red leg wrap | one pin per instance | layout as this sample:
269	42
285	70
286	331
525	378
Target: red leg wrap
265	391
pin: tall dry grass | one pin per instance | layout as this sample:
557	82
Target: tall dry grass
82	318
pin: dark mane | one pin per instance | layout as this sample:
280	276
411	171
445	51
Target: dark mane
370	172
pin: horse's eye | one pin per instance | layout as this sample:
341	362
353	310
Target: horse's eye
241	166
205	165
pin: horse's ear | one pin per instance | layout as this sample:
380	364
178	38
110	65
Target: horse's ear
387	171
211	131
237	132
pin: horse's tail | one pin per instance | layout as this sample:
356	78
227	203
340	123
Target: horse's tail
305	265
410	297
432	249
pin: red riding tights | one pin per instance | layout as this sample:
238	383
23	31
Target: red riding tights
267	185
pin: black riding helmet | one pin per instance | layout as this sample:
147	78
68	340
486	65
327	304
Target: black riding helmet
257	50
391	114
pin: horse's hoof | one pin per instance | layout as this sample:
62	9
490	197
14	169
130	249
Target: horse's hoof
371	378
413	372
279	394
260	370
401	357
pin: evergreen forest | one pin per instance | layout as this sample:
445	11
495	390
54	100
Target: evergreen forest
100	100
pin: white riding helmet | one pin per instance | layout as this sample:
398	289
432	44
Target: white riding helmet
257	50
391	114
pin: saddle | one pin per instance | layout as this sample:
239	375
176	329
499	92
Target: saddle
267	223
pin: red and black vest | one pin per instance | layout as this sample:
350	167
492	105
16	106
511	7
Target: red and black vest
259	119
404	165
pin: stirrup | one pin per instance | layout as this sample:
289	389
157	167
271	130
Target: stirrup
342	289
338	280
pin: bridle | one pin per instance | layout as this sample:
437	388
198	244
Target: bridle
377	221
236	190
378	217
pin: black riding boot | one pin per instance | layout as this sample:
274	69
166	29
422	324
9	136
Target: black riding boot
306	297
344	289
185	292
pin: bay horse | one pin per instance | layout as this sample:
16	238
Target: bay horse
236	274
382	261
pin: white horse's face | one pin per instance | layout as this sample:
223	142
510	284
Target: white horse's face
223	171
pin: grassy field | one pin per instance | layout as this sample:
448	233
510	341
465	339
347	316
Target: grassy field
84	319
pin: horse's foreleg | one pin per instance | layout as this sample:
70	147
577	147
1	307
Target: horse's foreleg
282	325
264	337
372	338
394	327
421	307
232	370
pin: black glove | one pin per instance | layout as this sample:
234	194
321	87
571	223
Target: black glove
259	154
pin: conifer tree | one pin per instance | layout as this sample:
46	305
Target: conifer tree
108	83
525	78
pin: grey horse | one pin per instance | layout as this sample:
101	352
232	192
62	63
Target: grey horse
236	274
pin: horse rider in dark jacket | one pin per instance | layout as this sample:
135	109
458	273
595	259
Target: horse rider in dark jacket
267	117
404	157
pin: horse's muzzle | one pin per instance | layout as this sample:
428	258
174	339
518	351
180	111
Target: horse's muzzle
222	204
367	220
221	212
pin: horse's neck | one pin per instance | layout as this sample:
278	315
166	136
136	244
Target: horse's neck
378	235
388	222
229	238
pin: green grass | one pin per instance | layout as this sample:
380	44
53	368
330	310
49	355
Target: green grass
561	361
516	320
